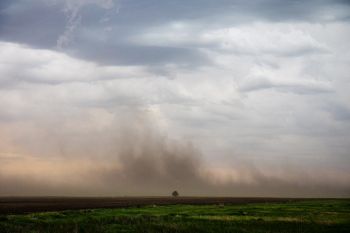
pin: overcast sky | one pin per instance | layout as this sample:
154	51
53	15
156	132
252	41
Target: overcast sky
246	97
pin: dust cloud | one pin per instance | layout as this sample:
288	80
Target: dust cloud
131	155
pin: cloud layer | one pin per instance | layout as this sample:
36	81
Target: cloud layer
137	97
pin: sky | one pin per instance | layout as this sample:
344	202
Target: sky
143	97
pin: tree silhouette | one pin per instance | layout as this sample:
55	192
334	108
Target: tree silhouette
175	194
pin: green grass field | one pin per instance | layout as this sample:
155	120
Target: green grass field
304	216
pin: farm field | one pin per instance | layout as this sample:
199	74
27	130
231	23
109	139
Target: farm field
17	205
274	216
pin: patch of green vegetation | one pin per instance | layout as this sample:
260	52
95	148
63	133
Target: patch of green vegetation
305	216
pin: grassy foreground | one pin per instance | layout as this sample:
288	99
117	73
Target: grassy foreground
305	216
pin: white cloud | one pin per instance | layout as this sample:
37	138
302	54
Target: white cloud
277	39
259	105
220	101
282	39
270	95
46	66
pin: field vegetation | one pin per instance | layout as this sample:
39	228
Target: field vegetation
297	216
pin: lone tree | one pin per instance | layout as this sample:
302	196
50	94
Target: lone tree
175	194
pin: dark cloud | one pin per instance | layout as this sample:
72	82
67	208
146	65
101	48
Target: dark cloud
236	10
44	24
31	22
153	56
340	112
298	87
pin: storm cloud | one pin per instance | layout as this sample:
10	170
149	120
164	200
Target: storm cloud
136	97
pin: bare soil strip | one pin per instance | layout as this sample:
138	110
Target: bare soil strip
19	205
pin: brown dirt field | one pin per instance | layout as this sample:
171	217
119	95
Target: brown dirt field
18	205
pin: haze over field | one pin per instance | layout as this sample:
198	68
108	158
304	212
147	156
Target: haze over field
143	97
